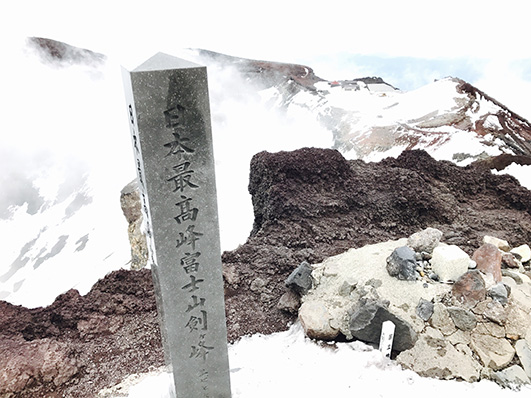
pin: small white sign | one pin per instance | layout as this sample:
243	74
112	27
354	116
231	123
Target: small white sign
386	338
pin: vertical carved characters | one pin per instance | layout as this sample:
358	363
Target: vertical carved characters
170	126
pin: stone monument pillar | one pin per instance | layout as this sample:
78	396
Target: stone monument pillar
169	118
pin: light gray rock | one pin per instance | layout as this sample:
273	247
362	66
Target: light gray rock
433	356
131	207
366	325
523	350
463	319
499	293
315	320
441	319
346	288
513	275
491	329
523	253
289	302
449	262
495	312
300	280
493	352
518	323
499	243
459	337
424	309
402	264
425	241
511	377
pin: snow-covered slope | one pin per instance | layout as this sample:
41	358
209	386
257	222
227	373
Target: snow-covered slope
371	119
64	162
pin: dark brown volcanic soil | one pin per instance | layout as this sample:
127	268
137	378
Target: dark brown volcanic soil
309	204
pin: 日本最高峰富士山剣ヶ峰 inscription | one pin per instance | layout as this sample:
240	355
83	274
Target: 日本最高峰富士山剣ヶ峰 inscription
169	117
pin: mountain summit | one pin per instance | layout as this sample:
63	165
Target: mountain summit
307	205
371	119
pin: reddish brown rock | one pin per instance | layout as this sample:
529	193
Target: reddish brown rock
509	261
488	259
28	364
470	289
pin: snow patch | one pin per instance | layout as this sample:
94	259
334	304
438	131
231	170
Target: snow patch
521	172
288	364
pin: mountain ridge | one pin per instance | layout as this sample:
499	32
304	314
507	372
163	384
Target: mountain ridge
292	81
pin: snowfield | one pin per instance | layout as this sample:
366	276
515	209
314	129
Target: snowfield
288	364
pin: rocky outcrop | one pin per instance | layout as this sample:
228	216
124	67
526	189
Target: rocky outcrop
310	204
468	330
131	207
30	364
513	129
80	344
269	74
62	54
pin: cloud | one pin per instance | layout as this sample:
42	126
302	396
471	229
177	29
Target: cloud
282	30
508	81
18	187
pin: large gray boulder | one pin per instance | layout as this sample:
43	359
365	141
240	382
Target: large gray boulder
402	265
442	330
434	356
300	280
425	240
366	325
343	281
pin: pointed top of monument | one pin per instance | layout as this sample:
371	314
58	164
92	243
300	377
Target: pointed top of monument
161	61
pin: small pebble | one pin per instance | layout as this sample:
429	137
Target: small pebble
426	255
434	277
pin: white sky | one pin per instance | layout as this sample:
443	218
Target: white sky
285	30
319	34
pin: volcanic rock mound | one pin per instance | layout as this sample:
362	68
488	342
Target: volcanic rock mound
309	204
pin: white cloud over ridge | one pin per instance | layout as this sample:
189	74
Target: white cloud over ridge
319	35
